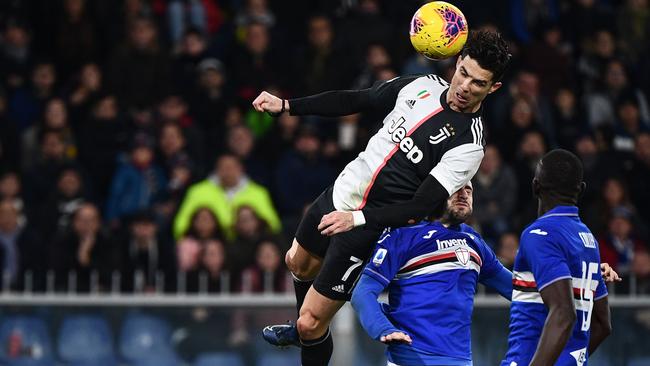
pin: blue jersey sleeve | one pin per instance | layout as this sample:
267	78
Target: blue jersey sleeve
493	273
387	257
545	256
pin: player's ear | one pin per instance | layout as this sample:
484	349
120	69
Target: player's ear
495	87
536	187
582	187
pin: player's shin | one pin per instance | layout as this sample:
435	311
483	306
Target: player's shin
300	287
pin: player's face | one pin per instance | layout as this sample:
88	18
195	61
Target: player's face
459	205
470	85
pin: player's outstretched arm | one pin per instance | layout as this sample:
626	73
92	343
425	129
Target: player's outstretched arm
372	318
330	104
558	298
601	326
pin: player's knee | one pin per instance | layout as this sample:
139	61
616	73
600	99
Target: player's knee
308	326
301	269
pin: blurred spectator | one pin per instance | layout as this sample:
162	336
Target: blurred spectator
268	273
102	137
55	214
204	225
569	118
86	91
84	256
597	166
596	55
174	109
525	87
528	16
171	144
522	120
614	194
147	256
180	175
11	190
27	102
305	160
241	143
620	245
180	12
226	189
213	263
254	65
21	249
209	100
601	105
548	57
507	249
377	59
55	118
319	65
42	176
138	182
75	38
250	229
639	176
629	124
184	68
633	21
9	141
255	11
493	208
584	18
363	26
15	54
139	70
280	138
531	148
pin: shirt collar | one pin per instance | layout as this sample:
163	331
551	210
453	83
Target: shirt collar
561	211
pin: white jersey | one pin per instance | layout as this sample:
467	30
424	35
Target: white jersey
421	135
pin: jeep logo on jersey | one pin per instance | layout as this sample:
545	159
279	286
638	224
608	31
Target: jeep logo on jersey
443	133
463	255
406	144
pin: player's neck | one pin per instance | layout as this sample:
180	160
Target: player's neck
547	204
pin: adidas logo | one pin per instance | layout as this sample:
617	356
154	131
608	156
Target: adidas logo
410	103
339	288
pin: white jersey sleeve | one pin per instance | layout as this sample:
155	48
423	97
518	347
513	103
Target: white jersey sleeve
458	166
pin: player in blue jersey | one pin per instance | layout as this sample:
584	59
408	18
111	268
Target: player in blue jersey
559	313
431	271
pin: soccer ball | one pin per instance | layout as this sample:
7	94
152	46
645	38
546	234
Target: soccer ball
438	30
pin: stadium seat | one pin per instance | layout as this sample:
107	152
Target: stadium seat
157	361
35	344
639	361
219	359
143	336
86	340
280	358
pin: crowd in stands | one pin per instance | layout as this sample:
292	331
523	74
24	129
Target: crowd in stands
129	147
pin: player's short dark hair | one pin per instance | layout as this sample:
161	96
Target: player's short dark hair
490	50
560	173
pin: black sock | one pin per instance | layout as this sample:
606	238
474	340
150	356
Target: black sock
301	287
317	352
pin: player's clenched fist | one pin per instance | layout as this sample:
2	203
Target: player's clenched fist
267	102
